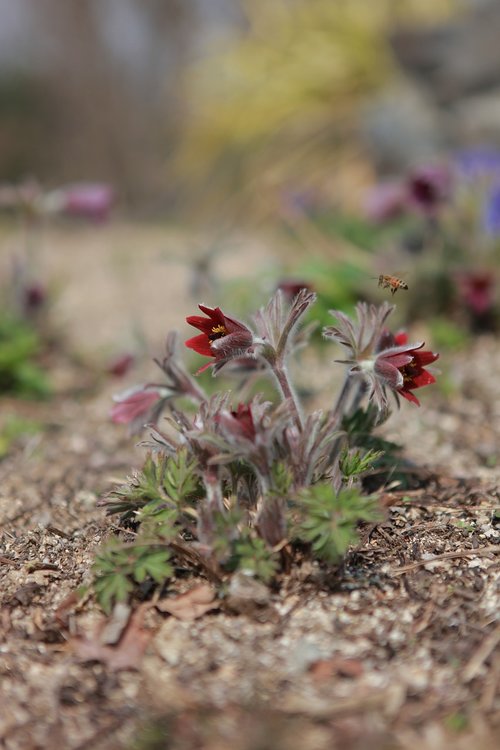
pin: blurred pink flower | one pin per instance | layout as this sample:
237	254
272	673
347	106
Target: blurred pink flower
386	201
85	200
134	403
121	365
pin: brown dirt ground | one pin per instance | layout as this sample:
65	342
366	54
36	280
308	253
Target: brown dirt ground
398	649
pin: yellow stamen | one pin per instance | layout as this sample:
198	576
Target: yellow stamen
217	332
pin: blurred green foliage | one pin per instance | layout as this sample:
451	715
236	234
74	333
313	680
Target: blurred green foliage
16	428
19	347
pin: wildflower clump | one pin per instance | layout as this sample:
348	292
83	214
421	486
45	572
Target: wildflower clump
250	484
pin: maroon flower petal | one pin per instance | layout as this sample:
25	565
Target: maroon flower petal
197	321
409	361
408	395
422	378
398	360
425	358
215	313
200	344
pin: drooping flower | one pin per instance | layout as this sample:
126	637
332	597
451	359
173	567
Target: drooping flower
401	367
221	337
380	358
137	404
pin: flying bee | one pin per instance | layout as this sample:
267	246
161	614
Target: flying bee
391	282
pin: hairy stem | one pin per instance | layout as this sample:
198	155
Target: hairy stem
347	402
287	390
340	405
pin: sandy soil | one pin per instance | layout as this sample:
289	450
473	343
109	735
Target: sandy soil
397	649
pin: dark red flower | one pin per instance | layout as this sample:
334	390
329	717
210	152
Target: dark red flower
428	187
241	422
35	295
121	365
402	367
291	287
222	337
477	288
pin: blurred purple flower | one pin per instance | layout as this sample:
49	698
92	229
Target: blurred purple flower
428	187
478	163
85	200
385	201
491	211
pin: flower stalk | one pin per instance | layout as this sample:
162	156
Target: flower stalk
288	392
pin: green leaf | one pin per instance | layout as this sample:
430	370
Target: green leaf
153	563
353	462
180	479
329	520
112	588
169	480
252	553
281	479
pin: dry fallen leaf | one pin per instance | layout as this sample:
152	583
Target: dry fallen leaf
61	615
128	652
324	669
192	604
116	624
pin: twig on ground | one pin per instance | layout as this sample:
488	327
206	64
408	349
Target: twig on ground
473	666
491	550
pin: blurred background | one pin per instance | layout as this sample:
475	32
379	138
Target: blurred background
292	133
164	98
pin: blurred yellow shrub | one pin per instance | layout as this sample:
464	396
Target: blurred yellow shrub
282	95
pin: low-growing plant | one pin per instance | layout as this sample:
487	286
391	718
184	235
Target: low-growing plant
249	486
20	345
